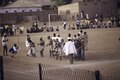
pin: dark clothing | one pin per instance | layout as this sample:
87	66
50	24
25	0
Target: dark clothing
70	58
11	50
5	50
78	48
42	43
82	51
64	26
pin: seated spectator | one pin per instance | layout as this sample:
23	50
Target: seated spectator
73	27
57	29
21	29
28	31
69	28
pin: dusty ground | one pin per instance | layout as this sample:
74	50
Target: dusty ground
103	54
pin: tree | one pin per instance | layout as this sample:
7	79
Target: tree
68	1
56	3
6	2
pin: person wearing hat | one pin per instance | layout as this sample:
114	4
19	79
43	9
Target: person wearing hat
4	44
69	50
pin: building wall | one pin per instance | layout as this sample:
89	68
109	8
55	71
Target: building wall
69	9
104	8
25	16
90	8
19	9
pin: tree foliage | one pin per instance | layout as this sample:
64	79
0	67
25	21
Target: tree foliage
68	1
56	3
6	2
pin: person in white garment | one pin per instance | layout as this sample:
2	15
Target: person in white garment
4	45
14	28
31	47
64	24
69	50
27	43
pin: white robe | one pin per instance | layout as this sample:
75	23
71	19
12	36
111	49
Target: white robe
69	48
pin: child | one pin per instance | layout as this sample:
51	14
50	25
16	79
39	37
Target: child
13	50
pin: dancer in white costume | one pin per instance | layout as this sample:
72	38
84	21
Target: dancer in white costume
69	50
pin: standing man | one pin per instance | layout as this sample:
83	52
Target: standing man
81	33
14	29
69	49
78	24
4	44
82	50
64	24
28	45
85	36
42	45
50	44
78	47
69	36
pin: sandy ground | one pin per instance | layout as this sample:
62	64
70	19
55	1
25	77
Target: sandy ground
103	54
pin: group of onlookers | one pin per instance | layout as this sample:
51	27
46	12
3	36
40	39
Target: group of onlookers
93	23
35	28
9	29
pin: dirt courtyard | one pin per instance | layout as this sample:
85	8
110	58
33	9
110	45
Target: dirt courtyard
103	54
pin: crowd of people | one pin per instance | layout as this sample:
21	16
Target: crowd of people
35	28
97	22
10	29
74	47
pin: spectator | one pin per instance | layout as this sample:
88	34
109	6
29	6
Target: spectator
4	44
64	24
13	50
